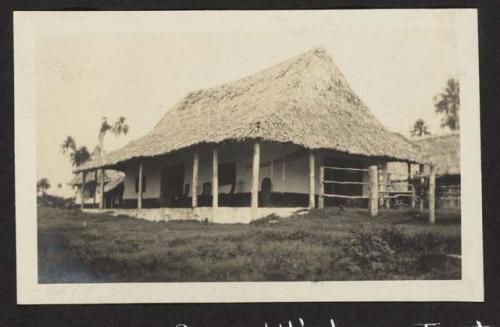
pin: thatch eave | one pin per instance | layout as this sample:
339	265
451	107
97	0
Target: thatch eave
89	166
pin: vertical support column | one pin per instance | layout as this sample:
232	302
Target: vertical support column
215	179
101	203
373	200
311	180
411	187
422	180
408	178
432	195
83	190
255	178
95	188
413	198
139	186
194	191
383	184
321	199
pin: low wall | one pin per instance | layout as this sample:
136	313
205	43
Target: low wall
223	215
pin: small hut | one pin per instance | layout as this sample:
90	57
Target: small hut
444	152
113	189
260	144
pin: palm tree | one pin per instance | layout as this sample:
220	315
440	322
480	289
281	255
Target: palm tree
80	156
119	127
77	155
420	129
69	144
42	185
447	103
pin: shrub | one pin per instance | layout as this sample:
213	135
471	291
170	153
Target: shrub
367	253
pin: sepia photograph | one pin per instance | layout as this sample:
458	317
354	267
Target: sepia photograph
199	148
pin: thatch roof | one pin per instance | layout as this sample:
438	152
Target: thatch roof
304	100
112	179
114	182
443	151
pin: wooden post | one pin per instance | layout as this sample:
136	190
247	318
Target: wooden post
321	199
413	198
101	203
194	191
95	188
255	178
311	180
383	186
410	186
408	178
432	195
215	179
422	180
139	186
82	205
387	180
373	201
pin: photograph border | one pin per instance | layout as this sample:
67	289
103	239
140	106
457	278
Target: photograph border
28	24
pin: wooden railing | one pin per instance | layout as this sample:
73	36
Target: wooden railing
323	182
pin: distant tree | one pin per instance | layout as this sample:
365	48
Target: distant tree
42	185
80	155
119	127
447	104
59	185
77	155
69	145
420	129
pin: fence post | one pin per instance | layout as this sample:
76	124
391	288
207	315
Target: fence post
103	180
373	201
422	181
321	200
382	183
82	205
215	181
413	197
411	187
432	195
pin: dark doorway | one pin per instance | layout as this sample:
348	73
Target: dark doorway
172	186
266	192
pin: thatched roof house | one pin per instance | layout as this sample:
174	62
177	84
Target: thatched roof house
305	101
263	139
443	151
113	187
112	178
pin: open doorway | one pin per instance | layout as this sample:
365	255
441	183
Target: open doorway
172	186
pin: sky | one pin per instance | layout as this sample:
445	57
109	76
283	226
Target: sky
395	63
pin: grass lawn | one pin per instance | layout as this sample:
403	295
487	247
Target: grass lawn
329	245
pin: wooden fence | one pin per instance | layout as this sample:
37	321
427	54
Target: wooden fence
379	191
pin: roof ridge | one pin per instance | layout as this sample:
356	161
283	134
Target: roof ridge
307	54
